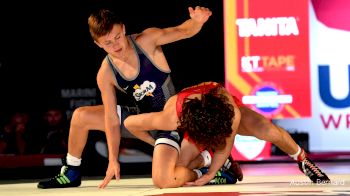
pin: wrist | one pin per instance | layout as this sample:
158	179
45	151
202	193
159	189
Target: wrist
211	174
197	23
113	158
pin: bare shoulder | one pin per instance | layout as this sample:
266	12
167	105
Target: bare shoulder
104	73
171	103
148	35
103	69
152	31
170	115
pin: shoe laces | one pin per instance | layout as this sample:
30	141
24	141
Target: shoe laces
313	168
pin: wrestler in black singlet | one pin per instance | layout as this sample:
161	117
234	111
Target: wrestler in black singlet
151	88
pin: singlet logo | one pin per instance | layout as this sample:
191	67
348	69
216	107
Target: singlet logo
146	89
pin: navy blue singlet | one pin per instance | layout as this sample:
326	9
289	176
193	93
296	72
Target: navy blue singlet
151	88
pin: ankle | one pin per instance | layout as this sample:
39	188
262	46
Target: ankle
73	161
300	155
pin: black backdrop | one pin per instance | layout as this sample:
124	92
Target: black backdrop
45	46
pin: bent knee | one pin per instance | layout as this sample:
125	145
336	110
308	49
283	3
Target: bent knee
165	180
168	183
79	114
84	115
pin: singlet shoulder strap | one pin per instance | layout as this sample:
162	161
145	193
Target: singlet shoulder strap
115	71
136	46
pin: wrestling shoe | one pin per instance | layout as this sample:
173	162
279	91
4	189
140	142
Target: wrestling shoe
69	177
311	170
233	167
221	177
229	165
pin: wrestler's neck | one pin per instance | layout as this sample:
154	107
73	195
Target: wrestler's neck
128	56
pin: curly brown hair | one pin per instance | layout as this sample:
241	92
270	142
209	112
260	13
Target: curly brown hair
208	121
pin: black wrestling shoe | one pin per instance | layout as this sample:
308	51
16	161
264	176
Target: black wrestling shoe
69	176
311	170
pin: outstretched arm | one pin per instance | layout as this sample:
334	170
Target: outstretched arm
187	29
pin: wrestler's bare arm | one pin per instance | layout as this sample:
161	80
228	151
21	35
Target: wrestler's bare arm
109	99
164	120
189	28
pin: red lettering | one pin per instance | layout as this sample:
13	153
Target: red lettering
332	120
348	121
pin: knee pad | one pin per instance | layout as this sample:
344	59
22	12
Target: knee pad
171	138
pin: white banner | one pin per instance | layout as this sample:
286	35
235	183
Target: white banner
329	126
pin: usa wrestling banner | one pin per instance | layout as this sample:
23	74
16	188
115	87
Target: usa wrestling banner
329	126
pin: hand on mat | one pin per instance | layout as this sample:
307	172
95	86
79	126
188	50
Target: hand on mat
200	181
112	170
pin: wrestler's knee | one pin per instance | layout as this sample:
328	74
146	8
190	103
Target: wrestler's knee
80	116
164	181
167	147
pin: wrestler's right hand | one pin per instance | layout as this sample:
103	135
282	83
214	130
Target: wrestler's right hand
112	170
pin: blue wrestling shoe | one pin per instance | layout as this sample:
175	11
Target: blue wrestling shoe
233	167
221	177
69	176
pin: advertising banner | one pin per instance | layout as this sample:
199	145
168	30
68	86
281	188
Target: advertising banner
329	126
267	59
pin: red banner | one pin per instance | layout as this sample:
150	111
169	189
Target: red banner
267	56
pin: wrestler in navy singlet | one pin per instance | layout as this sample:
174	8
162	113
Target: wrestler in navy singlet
151	88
